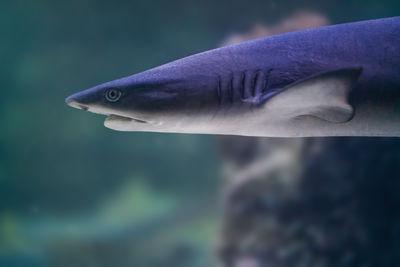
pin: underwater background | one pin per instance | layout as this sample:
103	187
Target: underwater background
73	193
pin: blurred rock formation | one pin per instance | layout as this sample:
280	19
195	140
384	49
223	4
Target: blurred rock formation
315	202
300	20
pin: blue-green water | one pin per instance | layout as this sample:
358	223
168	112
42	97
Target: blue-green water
73	193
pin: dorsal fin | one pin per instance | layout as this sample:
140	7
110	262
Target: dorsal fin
325	96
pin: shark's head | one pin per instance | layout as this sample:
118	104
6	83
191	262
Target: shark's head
134	104
197	104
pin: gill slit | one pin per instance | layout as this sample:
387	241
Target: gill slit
230	88
242	87
254	85
219	91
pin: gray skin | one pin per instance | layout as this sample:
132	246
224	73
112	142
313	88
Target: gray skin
341	80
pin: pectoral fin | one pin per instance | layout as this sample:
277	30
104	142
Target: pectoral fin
324	96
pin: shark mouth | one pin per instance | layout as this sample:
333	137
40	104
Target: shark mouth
118	118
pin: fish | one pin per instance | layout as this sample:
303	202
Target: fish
339	80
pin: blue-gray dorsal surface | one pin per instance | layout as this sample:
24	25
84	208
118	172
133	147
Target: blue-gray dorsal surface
341	80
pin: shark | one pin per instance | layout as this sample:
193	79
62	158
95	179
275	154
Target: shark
340	80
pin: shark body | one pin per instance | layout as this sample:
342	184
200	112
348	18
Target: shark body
341	80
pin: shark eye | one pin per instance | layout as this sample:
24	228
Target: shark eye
113	95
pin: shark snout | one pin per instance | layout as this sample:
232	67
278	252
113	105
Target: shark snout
74	101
